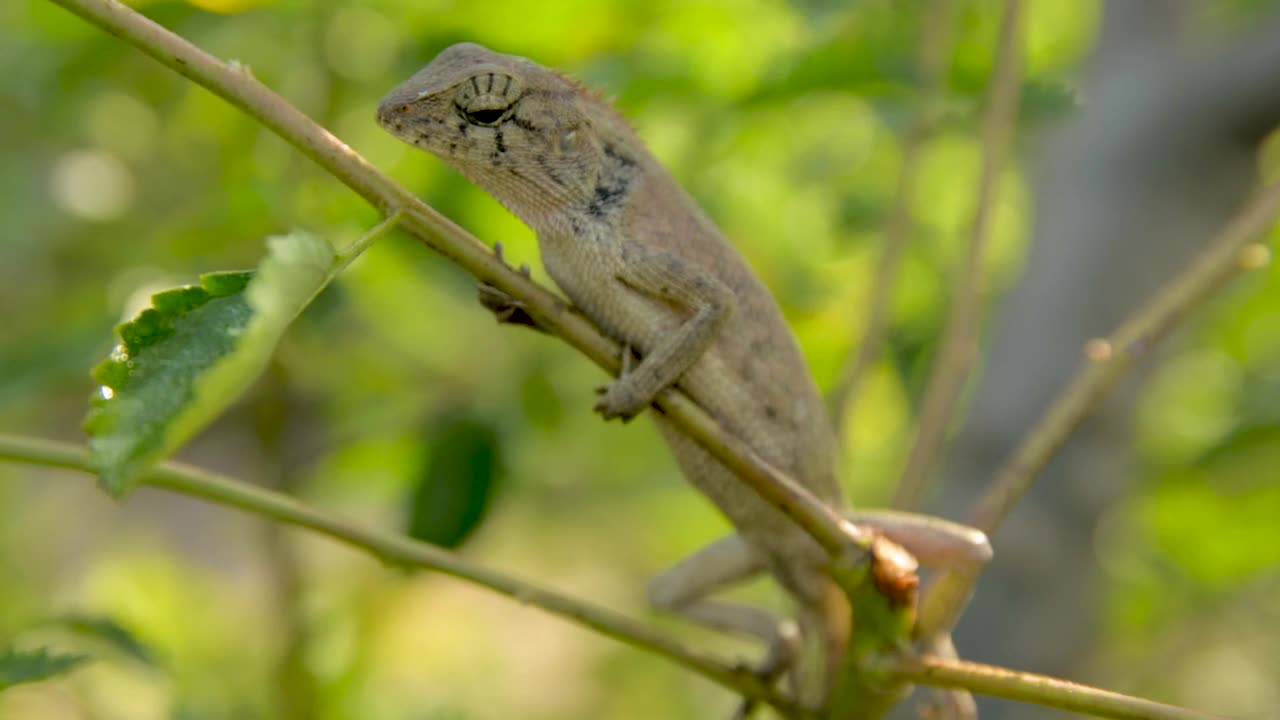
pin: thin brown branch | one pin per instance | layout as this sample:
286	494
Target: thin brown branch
931	64
400	550
1029	687
1232	252
237	86
960	340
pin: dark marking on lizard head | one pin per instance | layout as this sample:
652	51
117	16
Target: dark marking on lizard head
484	112
622	158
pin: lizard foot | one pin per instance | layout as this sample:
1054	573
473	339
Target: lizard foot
782	651
505	308
620	398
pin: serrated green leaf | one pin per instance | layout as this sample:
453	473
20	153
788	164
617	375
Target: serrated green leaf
181	362
26	666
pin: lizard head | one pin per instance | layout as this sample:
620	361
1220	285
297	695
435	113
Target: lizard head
523	133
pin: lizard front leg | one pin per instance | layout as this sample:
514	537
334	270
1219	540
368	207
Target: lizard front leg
505	308
670	281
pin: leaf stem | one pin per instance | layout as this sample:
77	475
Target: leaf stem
343	257
400	550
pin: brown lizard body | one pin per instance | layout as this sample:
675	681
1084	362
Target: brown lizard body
637	255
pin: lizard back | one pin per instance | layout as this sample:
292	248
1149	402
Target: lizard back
568	165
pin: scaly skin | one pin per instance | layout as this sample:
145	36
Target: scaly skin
634	252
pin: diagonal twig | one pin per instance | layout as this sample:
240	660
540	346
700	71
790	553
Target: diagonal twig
400	550
931	62
1233	251
960	340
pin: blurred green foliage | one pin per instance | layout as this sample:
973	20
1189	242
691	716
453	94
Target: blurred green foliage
120	179
454	491
18	666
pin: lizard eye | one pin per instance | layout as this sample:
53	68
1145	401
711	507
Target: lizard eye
487	98
485	116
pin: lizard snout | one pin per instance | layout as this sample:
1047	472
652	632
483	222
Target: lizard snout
391	111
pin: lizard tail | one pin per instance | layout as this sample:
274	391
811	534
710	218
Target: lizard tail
824	629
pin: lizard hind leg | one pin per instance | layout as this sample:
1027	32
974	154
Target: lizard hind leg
683	589
939	543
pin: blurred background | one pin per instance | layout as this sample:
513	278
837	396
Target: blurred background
1149	562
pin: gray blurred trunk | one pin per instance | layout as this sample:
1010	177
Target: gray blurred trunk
1159	157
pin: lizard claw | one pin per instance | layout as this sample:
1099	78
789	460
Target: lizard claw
505	308
781	654
617	401
497	253
619	398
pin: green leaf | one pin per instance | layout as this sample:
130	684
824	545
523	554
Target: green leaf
25	666
111	633
181	362
455	491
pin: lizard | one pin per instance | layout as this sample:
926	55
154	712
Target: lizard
637	255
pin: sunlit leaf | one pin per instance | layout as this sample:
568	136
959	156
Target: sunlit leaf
182	361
